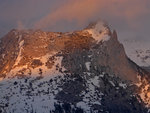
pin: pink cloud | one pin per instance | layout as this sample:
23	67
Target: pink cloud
82	10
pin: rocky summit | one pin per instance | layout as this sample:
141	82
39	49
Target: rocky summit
85	71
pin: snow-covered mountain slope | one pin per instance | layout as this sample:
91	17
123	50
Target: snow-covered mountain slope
138	51
87	92
84	71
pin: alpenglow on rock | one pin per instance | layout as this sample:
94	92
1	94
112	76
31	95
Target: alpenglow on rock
73	72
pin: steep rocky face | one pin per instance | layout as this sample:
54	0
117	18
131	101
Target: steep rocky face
96	44
9	51
82	71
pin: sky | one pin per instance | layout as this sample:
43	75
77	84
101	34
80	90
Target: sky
130	18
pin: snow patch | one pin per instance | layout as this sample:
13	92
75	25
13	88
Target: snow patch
42	70
34	95
101	75
84	106
95	81
112	83
3	56
88	65
90	96
123	85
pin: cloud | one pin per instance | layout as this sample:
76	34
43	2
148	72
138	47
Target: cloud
83	10
20	25
69	15
78	10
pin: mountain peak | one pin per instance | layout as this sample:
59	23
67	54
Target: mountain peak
31	45
86	69
99	31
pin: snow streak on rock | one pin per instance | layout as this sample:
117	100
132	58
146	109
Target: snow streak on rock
21	42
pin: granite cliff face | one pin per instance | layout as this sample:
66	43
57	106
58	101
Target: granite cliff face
26	48
73	72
